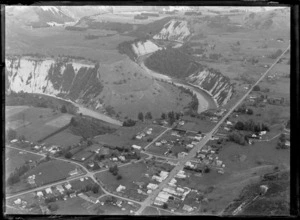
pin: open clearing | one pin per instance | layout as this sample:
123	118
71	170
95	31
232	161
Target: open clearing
60	121
64	138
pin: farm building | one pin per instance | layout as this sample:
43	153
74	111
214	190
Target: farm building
158	144
40	194
18	201
60	189
157	178
164	174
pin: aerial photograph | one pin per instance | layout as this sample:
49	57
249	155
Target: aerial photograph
146	110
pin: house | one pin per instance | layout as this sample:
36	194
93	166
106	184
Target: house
170	190
114	159
149	191
194	142
163	141
173	181
187	208
74	172
18	201
221	171
72	195
136	147
148	132
164	174
14	141
91	164
218	162
119	203
180	175
60	189
181	123
122	158
37	147
138	137
157	144
190	146
40	194
182	154
31	179
287	143
202	156
163	197
89	199
152	186
120	188
48	190
227	129
262	132
157	178
189	164
68	186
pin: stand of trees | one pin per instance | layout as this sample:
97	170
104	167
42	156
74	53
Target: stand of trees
250	125
11	134
129	123
18	172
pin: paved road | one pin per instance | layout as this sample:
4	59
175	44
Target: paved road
208	136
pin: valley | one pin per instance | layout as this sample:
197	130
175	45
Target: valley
147	110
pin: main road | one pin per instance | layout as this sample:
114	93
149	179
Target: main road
202	143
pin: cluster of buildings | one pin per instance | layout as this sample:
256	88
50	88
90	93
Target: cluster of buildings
172	190
162	176
144	133
207	156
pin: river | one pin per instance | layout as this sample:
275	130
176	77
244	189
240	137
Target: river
204	99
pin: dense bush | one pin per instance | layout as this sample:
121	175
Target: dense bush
11	134
129	123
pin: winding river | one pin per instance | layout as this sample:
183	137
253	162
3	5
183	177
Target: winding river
204	99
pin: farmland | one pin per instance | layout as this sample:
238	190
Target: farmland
15	158
38	122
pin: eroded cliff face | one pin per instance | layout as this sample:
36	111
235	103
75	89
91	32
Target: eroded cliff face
174	30
66	79
214	83
141	48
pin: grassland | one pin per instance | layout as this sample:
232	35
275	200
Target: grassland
124	135
130	174
51	171
36	120
15	158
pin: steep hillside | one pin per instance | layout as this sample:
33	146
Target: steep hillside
278	19
63	78
174	30
177	63
136	48
214	83
37	16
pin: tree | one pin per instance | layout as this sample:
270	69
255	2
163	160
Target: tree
21	138
68	155
282	138
53	207
95	188
256	88
119	177
239	125
206	169
148	116
165	206
63	109
141	116
114	169
163	116
129	123
73	122
250	111
11	134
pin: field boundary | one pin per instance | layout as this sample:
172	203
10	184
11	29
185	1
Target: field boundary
54	133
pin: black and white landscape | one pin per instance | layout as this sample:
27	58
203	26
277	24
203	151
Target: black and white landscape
147	110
